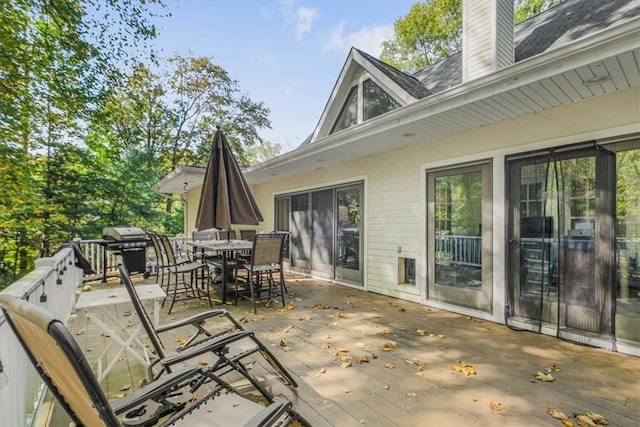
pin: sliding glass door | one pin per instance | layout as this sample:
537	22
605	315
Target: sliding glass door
325	231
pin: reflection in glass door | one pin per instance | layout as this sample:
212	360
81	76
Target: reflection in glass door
349	229
459	236
561	242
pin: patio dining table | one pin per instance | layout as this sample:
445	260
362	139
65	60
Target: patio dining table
227	249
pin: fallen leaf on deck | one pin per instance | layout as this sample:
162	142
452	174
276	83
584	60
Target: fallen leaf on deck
567	422
125	387
306	318
322	371
118	396
342	316
585	421
243	320
421	332
556	413
326	345
346	362
360	344
465	368
81	332
203	362
496	406
412	395
419	374
389	366
552	368
597	418
288	328
386	331
363	359
386	387
334	324
547	378
389	346
181	341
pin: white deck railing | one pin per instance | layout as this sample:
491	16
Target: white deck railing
51	285
463	250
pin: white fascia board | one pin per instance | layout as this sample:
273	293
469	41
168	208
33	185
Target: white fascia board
605	44
174	182
391	87
333	100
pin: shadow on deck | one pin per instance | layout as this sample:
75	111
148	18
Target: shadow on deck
366	359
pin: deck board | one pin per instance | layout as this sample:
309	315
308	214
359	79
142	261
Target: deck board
328	320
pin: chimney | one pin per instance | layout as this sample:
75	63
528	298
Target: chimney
487	37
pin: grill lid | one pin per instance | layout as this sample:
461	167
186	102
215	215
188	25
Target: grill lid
123	233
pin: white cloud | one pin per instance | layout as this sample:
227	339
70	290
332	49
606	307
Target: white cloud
305	18
368	39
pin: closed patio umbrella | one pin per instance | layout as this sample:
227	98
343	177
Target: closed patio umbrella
226	198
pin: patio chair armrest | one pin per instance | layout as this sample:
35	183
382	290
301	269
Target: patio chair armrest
272	413
155	389
212	345
195	319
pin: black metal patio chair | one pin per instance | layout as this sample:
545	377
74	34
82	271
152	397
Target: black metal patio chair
228	341
263	270
183	288
194	396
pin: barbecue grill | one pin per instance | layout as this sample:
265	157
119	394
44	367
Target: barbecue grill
130	243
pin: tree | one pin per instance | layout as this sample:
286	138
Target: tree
525	9
432	30
56	60
157	121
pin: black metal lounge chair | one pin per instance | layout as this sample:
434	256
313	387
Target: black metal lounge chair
230	344
194	396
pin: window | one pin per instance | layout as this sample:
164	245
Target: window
365	101
349	114
376	100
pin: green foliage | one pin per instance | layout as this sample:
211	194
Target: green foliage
431	31
525	9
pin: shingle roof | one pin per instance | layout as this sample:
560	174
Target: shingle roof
556	27
409	83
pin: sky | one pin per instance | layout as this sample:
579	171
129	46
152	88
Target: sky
286	54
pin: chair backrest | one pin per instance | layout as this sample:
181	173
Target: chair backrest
59	361
227	234
168	249
145	320
210	234
160	256
247	234
267	248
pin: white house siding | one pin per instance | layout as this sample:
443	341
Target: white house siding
394	183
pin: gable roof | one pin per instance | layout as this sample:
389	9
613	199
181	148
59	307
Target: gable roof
551	29
405	89
560	55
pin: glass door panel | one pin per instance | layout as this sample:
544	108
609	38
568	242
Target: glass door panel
322	233
300	232
348	234
459	237
628	245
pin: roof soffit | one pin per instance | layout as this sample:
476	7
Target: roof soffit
356	61
469	105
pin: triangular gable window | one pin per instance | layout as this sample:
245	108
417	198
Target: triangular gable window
349	113
357	108
376	100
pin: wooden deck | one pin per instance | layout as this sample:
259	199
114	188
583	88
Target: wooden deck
366	359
